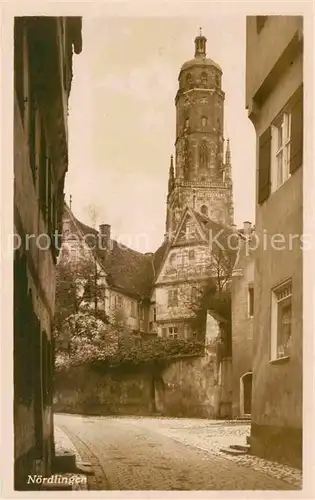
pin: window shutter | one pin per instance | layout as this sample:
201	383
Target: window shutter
296	156
264	166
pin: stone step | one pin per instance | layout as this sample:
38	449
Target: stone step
232	451
64	461
244	417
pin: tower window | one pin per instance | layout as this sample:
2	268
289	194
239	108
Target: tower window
204	209
204	78
203	155
217	79
191	254
204	121
186	123
189	79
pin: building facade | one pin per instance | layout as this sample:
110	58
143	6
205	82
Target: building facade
274	99
242	301
43	51
124	276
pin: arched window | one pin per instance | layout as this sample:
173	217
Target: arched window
203	155
189	79
217	79
186	123
204	121
204	210
204	78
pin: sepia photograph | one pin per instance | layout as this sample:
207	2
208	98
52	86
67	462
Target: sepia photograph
158	251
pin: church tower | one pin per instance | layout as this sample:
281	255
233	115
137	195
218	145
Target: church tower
201	178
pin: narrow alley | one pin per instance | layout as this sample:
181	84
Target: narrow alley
135	453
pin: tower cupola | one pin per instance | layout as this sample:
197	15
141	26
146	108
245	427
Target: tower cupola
200	45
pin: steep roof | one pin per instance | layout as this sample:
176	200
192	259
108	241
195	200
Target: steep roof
126	270
219	235
159	256
133	272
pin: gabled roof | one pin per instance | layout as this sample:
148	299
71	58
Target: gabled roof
188	212
127	270
219	237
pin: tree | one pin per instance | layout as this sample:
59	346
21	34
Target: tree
213	293
80	318
222	263
80	286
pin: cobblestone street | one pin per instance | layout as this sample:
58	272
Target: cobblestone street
134	453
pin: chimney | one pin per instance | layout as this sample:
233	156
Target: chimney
247	228
104	236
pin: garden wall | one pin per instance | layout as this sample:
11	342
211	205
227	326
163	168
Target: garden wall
189	387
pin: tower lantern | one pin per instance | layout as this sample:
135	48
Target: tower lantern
200	45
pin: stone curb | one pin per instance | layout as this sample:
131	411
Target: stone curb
71	470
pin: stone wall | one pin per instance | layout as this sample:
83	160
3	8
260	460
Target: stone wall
193	386
85	391
190	388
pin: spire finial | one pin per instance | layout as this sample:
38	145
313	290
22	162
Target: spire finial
200	44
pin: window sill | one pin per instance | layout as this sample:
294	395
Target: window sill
284	359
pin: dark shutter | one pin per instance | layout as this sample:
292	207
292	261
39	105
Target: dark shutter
296	152
264	166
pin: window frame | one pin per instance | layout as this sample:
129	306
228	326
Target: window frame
191	255
204	121
279	295
281	148
172	297
172	334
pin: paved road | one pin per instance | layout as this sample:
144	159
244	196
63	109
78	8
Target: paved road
130	453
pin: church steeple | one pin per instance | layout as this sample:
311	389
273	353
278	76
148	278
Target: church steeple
202	177
200	45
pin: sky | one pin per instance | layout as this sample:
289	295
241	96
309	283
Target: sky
122	119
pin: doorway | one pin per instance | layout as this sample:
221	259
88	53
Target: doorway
246	393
